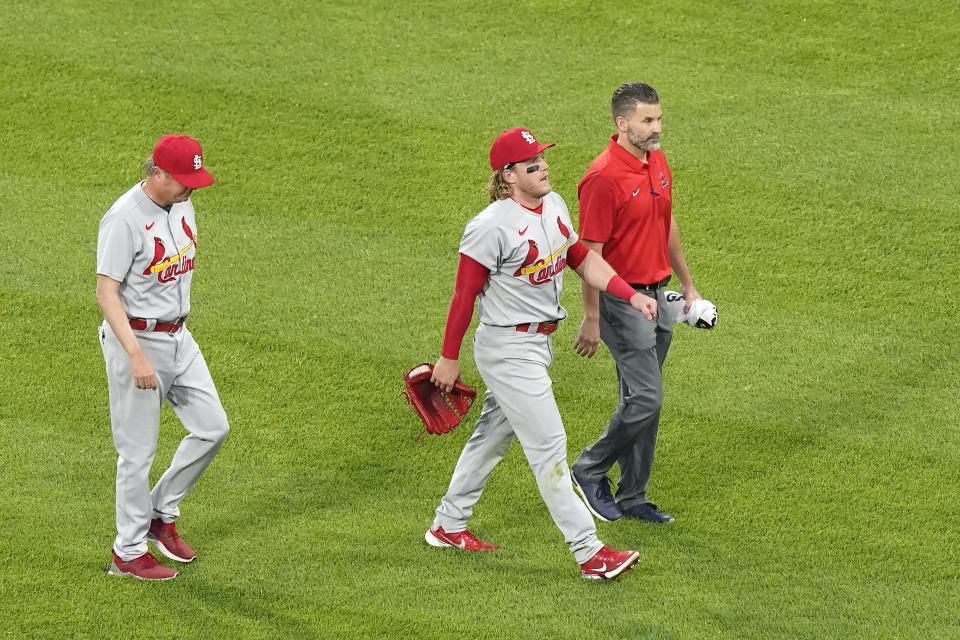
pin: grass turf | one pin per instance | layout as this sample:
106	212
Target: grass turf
809	443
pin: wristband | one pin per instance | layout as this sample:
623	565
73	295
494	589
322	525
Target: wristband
619	287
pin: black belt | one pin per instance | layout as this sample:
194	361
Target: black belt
651	287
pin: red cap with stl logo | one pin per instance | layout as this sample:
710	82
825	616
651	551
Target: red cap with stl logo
514	145
182	158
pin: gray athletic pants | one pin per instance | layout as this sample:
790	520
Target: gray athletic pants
519	403
185	382
639	347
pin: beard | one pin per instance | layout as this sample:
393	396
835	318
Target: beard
540	189
535	190
650	143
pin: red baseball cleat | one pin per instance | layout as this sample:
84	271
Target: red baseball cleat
164	536
145	567
608	563
460	540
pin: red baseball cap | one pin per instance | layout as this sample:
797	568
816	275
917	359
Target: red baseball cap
182	158
514	145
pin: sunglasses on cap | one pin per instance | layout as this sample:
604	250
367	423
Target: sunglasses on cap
531	169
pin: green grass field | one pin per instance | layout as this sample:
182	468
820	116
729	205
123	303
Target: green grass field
809	447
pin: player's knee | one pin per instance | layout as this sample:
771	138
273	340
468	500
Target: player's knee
552	450
222	430
215	429
642	404
553	476
136	459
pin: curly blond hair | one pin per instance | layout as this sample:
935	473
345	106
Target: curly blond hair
497	188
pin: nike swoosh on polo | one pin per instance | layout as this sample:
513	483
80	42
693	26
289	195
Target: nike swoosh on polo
150	226
636	192
524	230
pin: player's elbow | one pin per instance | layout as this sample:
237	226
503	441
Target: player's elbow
107	289
100	294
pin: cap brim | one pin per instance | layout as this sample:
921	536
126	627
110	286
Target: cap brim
196	180
540	149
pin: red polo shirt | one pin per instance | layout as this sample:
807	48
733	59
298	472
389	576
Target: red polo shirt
626	205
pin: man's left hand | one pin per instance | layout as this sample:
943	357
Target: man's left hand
690	293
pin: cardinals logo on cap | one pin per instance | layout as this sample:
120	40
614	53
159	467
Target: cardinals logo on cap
514	145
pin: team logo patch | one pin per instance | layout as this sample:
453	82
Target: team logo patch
187	230
541	270
528	137
533	254
167	269
159	251
663	181
198	162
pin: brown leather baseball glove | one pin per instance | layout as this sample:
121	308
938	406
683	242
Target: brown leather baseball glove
439	410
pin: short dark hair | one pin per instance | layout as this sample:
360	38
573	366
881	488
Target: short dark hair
629	95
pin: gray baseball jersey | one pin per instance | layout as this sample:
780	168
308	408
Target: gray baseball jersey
526	254
151	253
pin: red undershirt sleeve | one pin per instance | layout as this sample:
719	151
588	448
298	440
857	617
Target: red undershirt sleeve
471	278
576	254
617	286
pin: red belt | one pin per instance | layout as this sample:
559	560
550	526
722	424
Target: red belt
165	327
543	327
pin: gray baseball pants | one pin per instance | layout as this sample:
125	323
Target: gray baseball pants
639	347
184	381
519	403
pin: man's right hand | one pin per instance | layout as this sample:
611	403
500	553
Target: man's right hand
445	373
645	305
588	340
143	374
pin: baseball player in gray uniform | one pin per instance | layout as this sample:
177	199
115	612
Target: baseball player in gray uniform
512	256
146	252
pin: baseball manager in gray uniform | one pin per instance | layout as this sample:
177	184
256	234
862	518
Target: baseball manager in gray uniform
512	256
146	252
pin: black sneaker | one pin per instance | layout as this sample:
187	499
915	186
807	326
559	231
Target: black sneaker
597	497
648	512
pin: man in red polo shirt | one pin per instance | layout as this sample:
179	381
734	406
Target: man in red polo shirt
625	215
